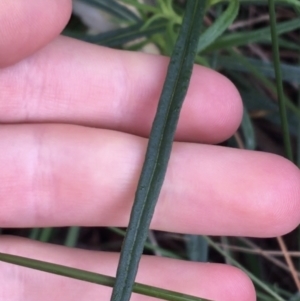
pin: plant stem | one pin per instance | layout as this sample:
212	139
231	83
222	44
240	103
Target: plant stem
159	148
275	48
94	278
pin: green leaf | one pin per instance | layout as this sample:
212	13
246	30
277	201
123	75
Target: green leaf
197	248
46	234
288	44
95	278
34	233
72	237
248	131
259	100
149	246
265	2
219	26
280	93
118	37
114	8
267	83
244	38
290	73
159	148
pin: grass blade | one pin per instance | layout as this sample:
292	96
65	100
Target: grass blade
266	82
118	37
72	237
114	8
197	248
34	233
244	38
290	73
248	131
148	246
94	278
46	234
220	25
159	148
275	48
264	2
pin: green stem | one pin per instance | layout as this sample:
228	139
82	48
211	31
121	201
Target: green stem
72	237
95	278
45	234
275	48
148	246
159	148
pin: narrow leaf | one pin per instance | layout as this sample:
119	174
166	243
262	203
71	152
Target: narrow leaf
114	8
282	107
244	38
197	248
265	2
159	148
118	37
148	246
72	237
248	131
267	83
46	234
219	26
94	278
290	73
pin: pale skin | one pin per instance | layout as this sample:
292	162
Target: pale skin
75	120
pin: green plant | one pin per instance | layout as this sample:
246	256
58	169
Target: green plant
159	25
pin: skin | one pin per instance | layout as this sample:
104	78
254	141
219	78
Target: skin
71	112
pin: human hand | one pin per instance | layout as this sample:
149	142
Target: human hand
75	120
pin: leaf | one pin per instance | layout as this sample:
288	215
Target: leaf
267	83
244	38
258	100
248	131
197	248
118	37
290	73
114	8
265	2
45	234
220	25
159	148
72	236
279	85
95	278
149	246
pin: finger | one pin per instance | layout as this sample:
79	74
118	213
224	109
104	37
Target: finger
198	279
78	83
26	26
59	175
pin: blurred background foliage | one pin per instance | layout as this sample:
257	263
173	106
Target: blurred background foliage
241	49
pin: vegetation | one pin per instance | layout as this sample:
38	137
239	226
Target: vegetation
236	40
